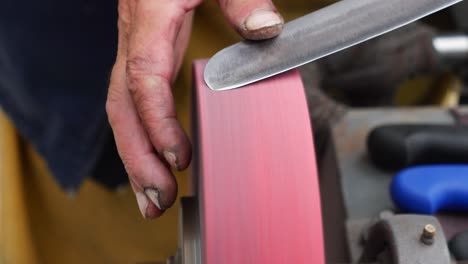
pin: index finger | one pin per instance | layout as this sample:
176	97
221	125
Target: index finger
150	69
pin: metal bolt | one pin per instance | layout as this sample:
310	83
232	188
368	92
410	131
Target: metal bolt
428	234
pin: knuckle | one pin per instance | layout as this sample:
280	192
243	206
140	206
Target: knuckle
137	68
158	119
146	108
146	73
154	124
144	70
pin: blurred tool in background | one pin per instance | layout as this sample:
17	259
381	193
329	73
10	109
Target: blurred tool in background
431	188
397	146
401	68
420	64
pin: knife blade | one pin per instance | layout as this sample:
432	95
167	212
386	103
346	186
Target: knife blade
313	36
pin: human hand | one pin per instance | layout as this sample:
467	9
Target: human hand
153	36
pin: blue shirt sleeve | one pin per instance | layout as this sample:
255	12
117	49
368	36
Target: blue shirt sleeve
55	61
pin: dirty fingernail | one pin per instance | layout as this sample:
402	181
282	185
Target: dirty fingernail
142	201
153	195
172	159
263	24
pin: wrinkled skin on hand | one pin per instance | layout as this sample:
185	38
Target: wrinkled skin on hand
153	36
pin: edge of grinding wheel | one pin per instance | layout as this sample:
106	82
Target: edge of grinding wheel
255	173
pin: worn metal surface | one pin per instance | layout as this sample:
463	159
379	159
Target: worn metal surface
189	232
326	31
404	239
189	250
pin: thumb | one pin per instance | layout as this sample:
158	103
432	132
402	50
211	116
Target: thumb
253	19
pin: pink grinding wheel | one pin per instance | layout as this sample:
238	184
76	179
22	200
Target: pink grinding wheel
257	180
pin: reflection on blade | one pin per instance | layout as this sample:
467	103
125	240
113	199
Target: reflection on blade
314	36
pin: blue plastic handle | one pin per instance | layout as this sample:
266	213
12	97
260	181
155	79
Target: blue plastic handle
433	188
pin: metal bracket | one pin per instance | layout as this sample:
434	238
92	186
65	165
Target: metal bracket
189	251
403	239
